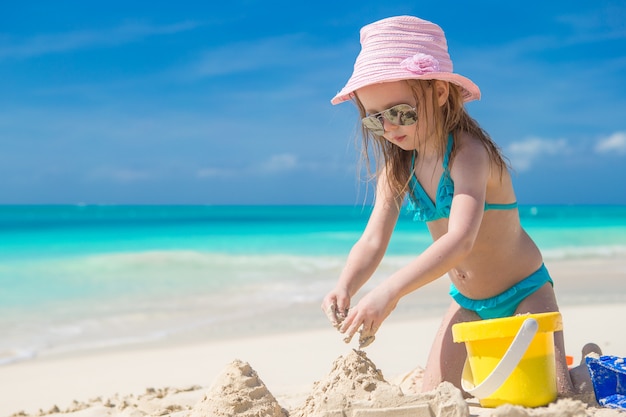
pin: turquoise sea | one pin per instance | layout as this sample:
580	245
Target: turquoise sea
75	278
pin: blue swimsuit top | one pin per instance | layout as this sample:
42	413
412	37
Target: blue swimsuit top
425	209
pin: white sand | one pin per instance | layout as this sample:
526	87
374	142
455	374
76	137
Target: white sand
172	380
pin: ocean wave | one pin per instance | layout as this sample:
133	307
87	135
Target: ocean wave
578	252
10	356
191	259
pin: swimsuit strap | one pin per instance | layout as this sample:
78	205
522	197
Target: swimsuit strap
509	206
446	156
420	203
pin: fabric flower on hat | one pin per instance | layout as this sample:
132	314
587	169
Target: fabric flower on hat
420	64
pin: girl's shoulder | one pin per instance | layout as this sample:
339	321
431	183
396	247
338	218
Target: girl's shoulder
463	138
468	147
479	144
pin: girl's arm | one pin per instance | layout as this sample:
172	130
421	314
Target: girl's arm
367	252
470	172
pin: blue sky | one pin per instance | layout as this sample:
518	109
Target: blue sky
202	103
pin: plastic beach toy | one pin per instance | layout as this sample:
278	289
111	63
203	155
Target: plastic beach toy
510	360
608	374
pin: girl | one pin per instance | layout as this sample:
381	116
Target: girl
430	150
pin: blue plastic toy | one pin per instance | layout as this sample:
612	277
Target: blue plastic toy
608	374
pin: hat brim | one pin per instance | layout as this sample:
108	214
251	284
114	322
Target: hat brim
469	90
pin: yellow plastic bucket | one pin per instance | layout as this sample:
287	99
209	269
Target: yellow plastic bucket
510	360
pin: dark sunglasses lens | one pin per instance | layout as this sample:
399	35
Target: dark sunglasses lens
373	124
401	115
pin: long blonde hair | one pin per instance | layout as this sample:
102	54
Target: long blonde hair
452	117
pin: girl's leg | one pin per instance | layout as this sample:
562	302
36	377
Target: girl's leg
544	301
581	378
446	358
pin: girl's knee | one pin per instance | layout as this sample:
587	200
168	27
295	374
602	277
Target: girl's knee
446	359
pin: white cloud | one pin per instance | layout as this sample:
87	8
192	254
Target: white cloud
524	153
245	56
63	42
615	143
289	50
281	162
274	164
601	23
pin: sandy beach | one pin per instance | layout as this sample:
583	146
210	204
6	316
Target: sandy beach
173	379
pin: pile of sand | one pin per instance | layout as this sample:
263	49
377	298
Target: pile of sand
355	385
238	391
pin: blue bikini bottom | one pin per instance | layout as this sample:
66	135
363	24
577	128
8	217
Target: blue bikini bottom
504	304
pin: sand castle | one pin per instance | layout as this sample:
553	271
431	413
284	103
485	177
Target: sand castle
238	391
353	388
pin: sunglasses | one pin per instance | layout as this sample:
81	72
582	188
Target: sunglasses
399	115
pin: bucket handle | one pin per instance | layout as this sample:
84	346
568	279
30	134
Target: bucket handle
507	364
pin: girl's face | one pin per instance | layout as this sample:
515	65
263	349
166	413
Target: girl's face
376	98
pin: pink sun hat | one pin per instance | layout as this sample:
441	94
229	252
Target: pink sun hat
401	48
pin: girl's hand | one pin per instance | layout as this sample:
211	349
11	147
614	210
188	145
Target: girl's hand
336	305
368	315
